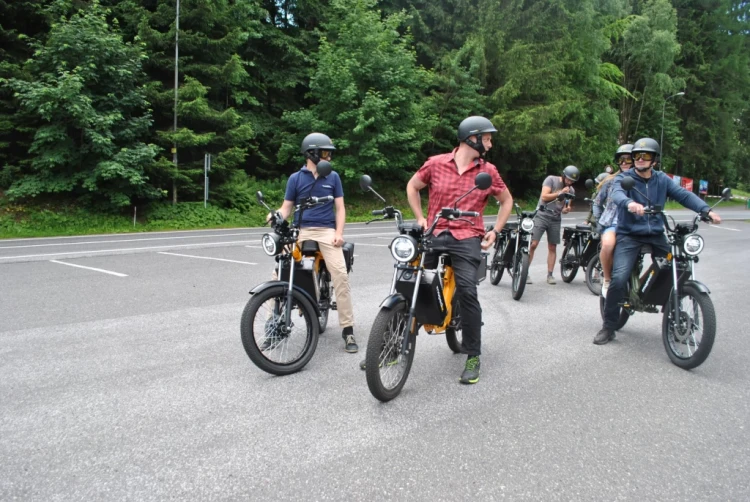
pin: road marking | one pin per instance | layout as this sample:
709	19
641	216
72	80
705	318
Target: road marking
114	251
725	228
208	258
118	274
116	241
373	245
255	247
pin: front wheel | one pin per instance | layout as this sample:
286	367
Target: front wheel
594	275
497	268
273	345
387	367
520	272
569	263
689	336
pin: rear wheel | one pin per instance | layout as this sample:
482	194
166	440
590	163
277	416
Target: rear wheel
569	263
689	336
270	343
386	366
453	332
594	275
497	268
324	304
520	272
623	316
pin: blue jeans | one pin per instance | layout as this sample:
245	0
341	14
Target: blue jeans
626	253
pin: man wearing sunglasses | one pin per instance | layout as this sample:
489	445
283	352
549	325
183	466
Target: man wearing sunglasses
322	224
605	212
635	229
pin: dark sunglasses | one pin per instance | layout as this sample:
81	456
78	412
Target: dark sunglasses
643	156
625	159
326	154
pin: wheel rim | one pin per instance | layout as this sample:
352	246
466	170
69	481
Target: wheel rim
275	342
391	362
685	336
568	264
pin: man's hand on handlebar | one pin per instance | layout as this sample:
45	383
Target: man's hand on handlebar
489	239
422	222
636	208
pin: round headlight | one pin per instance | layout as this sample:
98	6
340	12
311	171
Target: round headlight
404	248
270	244
527	224
693	244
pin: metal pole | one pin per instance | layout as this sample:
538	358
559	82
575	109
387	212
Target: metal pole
176	74
205	180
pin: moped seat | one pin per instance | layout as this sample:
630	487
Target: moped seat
309	248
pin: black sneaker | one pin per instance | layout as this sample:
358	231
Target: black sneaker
471	371
604	336
272	338
350	345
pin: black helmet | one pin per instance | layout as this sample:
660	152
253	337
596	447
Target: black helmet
313	144
472	126
646	145
572	173
623	150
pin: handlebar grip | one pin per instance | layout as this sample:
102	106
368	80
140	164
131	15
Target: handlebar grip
470	213
318	200
378	212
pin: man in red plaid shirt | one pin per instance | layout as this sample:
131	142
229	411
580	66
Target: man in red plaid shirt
448	176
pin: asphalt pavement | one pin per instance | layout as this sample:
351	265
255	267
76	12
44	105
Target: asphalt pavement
122	377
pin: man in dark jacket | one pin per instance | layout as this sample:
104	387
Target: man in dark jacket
634	228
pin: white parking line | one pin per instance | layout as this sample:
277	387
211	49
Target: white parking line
117	241
373	245
118	274
115	250
208	258
722	227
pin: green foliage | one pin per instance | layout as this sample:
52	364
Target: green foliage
83	86
368	95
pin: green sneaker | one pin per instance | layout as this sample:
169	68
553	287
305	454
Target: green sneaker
471	371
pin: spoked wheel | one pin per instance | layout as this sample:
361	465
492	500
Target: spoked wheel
497	268
594	276
453	333
387	367
324	293
520	272
689	336
274	346
623	316
569	263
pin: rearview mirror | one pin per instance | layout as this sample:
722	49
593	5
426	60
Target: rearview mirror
726	194
627	183
259	196
365	182
590	184
483	181
324	168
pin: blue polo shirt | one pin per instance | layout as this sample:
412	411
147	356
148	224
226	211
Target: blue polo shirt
298	188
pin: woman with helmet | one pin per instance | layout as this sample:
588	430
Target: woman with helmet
605	211
322	224
549	217
635	228
448	176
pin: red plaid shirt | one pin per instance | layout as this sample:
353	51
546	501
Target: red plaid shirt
440	174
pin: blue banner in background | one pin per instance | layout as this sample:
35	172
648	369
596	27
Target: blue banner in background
703	186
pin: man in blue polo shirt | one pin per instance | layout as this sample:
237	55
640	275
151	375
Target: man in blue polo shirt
322	224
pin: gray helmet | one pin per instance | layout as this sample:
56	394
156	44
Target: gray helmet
474	125
646	145
313	144
624	149
572	173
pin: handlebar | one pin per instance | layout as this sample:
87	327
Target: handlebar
378	212
320	200
387	213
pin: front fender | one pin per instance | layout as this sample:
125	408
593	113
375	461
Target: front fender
271	284
392	301
699	286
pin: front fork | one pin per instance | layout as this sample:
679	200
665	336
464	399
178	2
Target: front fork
290	290
676	294
413	307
